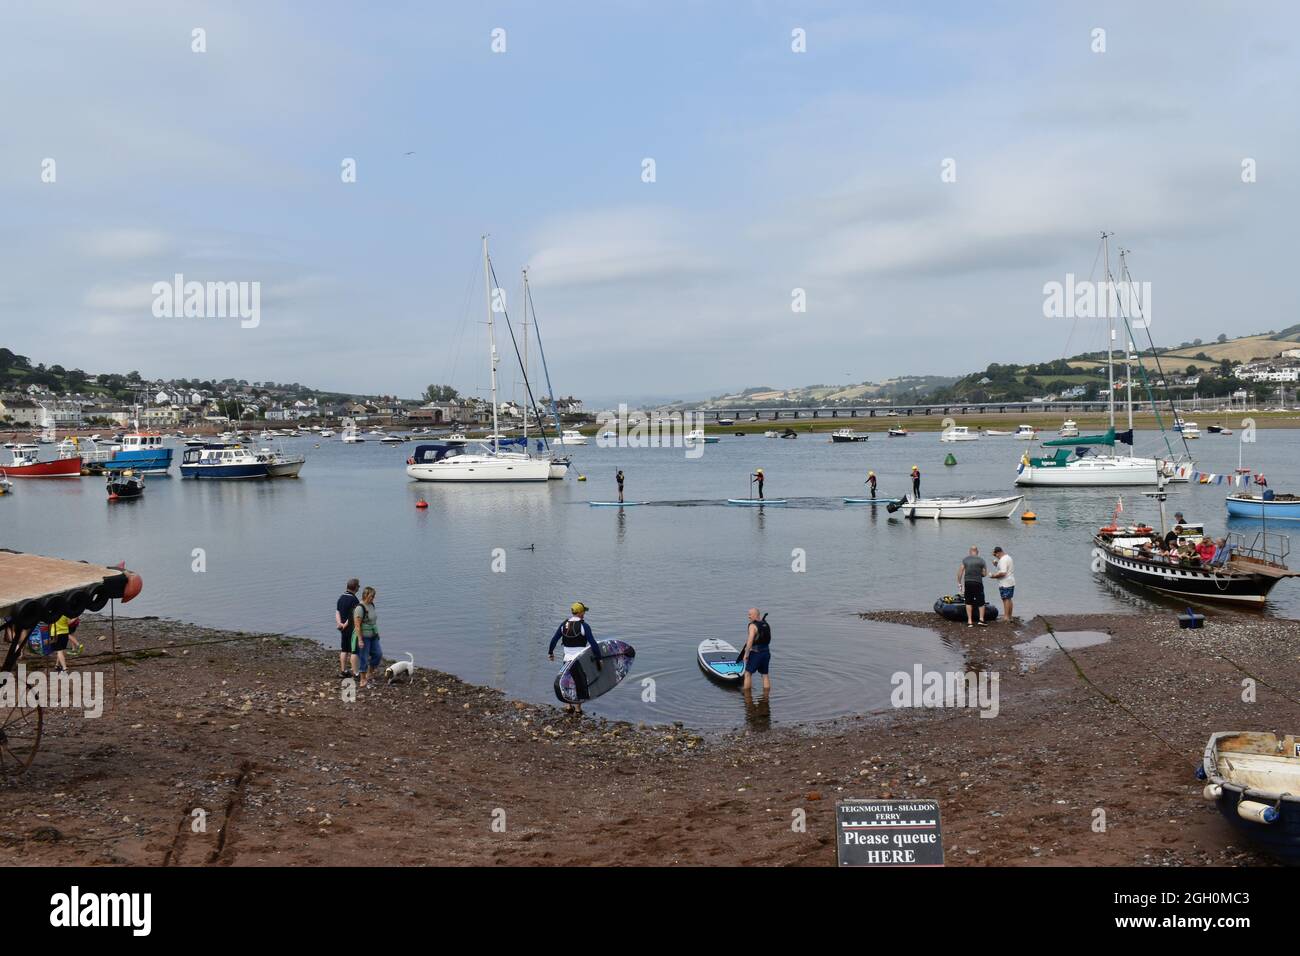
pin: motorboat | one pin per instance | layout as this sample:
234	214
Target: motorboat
348	435
1189	429
27	464
141	452
1269	506
570	436
195	442
392	440
841	435
1069	429
997	433
224	461
124	484
1027	432
958	433
898	431
696	436
280	465
969	506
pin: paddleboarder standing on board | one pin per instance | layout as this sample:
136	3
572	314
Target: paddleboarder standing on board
575	634
758	476
871	480
619	479
916	483
757	654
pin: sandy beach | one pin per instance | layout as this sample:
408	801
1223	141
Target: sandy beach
251	730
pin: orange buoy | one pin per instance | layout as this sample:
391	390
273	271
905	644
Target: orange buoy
1029	516
422	503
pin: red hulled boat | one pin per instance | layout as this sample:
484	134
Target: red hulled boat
26	465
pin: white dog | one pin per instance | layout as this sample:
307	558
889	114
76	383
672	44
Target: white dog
398	669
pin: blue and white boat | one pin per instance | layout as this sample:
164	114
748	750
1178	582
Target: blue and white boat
223	461
141	452
1269	507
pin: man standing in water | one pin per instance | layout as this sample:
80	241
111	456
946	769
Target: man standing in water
1006	576
757	654
758	476
619	479
970	578
343	611
916	482
575	633
871	480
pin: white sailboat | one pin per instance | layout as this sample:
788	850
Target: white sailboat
455	461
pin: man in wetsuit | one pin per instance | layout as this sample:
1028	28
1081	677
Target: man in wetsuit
575	634
757	654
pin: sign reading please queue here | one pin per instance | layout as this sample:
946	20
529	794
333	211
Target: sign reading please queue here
888	833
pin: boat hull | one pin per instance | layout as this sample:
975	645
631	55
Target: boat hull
153	461
473	469
58	468
225	472
1090	472
1240	506
961	507
1200	584
285	469
1256	758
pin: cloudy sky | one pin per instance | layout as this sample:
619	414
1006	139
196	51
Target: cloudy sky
774	170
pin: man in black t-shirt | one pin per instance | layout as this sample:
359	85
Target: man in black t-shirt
343	622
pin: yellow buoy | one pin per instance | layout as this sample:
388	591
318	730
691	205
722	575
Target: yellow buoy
1029	516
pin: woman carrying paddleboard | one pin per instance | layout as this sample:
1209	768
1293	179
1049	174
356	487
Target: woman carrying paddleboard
575	634
757	654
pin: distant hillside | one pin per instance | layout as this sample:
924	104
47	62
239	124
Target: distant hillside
895	388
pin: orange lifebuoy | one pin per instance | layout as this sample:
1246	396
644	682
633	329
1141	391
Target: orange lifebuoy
134	584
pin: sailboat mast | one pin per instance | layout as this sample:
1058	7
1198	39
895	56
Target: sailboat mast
527	387
492	339
1110	333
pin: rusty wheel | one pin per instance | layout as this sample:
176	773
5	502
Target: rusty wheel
20	736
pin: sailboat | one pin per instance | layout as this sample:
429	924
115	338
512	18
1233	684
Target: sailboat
455	461
1105	469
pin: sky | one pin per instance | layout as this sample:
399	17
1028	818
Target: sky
774	170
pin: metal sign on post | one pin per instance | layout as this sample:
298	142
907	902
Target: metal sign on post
888	833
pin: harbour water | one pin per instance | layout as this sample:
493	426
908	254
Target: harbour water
273	556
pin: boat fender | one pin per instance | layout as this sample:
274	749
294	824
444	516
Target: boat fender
422	504
1212	791
1256	811
410	461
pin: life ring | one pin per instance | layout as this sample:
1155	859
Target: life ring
1110	529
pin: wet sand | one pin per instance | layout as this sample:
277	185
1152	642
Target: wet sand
251	730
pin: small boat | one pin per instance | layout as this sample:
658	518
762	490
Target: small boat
125	484
279	465
608	435
958	433
720	661
391	440
789	433
1215	429
997	433
570	436
6	486
898	431
954	609
195	442
954	507
724	422
696	436
771	434
1027	432
1188	429
1254	778
1269	506
755	502
841	435
141	452
223	461
326	433
27	464
1069	429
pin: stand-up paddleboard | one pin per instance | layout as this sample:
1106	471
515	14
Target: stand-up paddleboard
718	660
616	504
581	679
868	501
755	502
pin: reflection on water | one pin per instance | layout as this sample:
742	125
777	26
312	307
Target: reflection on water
662	577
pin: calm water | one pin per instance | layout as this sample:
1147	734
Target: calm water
662	576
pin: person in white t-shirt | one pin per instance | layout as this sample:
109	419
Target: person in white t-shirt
1006	578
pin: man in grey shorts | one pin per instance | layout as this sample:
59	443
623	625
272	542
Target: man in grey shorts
970	578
